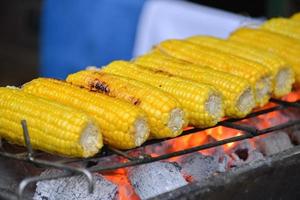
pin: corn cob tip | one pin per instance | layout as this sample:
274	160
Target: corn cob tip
141	131
176	120
263	90
91	140
214	107
284	81
245	102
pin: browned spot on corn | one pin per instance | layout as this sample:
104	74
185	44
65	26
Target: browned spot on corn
162	72
135	101
98	85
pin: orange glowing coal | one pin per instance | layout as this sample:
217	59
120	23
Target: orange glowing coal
293	96
125	190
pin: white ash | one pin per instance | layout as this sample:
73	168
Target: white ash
150	180
274	143
244	153
200	167
75	188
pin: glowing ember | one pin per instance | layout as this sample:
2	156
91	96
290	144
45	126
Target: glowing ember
293	96
119	177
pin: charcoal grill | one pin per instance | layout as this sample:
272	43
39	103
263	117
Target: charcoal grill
33	158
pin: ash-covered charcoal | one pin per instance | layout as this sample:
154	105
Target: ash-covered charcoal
274	143
152	179
244	156
217	151
294	133
198	167
244	153
295	136
75	187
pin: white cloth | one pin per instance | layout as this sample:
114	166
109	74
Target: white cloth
166	19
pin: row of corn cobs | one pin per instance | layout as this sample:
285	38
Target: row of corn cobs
195	81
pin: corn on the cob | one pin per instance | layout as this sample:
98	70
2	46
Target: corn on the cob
52	127
283	75
287	27
287	48
202	103
296	16
237	92
257	75
166	118
123	126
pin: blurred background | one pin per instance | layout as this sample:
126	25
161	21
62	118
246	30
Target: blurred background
21	38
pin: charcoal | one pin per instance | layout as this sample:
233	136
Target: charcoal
244	156
219	154
274	143
218	151
152	179
199	167
75	187
244	153
295	136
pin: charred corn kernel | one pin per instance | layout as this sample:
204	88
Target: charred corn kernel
52	127
296	16
166	118
202	103
257	75
287	27
287	48
237	92
283	74
124	126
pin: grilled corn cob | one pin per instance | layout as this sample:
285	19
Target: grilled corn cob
166	118
202	103
257	75
286	47
296	16
287	27
283	75
237	92
124	126
52	127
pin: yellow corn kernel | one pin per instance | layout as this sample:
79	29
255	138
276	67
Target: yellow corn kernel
202	103
296	16
166	118
287	27
52	127
123	126
283	74
257	75
237	92
287	48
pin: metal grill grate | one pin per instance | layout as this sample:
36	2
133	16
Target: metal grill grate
248	132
